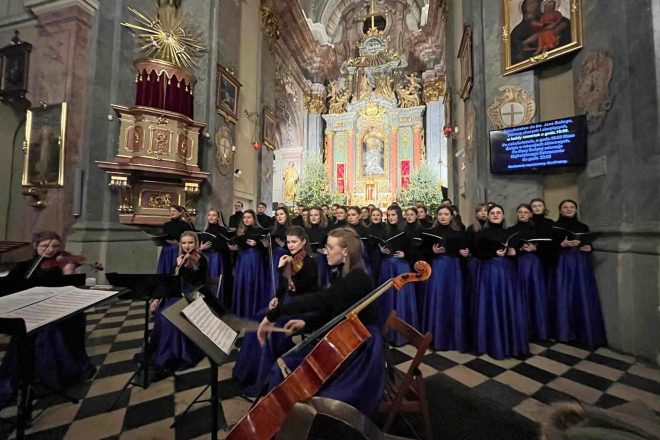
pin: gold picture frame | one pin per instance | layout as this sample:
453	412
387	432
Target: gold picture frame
531	35
269	129
227	91
44	146
465	61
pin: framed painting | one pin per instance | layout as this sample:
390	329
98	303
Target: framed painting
536	31
44	146
227	90
465	61
269	129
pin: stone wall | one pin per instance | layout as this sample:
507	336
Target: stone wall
622	201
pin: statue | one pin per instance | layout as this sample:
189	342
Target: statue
338	100
408	96
373	160
384	87
290	177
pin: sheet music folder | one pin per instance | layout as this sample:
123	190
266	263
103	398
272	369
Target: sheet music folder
12	285
144	285
174	315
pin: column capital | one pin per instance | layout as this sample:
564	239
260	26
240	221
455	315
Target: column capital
434	88
314	99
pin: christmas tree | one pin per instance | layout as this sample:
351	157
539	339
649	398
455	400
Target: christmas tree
313	189
425	185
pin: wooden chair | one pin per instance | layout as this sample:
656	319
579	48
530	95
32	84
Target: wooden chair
405	392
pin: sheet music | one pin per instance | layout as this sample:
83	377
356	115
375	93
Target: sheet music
199	315
59	306
28	297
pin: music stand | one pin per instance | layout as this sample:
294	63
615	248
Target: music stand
9	285
212	351
144	287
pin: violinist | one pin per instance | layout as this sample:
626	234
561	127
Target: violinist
49	260
60	356
172	349
173	229
361	379
298	275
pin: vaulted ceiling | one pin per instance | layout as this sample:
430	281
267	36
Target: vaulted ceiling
319	35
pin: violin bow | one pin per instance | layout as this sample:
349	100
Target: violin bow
38	262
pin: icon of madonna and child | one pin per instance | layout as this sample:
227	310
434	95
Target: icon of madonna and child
373	156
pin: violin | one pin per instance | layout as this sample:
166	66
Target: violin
63	259
190	259
346	334
294	266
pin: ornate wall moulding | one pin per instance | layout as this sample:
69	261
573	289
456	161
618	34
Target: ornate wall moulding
513	106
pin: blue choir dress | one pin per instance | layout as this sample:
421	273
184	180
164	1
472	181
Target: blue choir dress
444	310
404	301
532	282
172	350
255	362
317	238
576	303
500	323
360	380
252	288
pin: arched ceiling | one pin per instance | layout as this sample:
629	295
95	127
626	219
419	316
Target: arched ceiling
319	35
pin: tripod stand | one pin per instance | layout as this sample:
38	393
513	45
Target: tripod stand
144	287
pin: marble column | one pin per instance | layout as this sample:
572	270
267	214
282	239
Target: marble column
328	158
436	142
314	102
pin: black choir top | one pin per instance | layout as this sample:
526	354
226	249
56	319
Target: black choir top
235	219
330	302
251	233
525	230
194	276
490	239
360	229
377	229
298	221
219	245
548	252
337	224
454	240
175	227
279	232
306	279
317	237
264	220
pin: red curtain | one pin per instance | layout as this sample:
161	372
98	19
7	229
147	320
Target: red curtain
159	91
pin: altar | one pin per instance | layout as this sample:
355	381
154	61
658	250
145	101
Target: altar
374	134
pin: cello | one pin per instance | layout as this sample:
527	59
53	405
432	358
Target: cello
345	334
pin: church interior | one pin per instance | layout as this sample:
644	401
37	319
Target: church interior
127	124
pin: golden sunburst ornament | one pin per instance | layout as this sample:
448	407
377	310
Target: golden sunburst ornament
169	37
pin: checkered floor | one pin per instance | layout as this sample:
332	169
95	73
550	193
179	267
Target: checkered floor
551	372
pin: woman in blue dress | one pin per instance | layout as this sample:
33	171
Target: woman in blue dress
317	227
60	358
444	310
531	275
214	250
396	258
173	230
252	288
354	220
297	275
578	315
360	380
278	243
377	228
172	350
500	325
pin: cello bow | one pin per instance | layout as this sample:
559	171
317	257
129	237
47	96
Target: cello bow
346	334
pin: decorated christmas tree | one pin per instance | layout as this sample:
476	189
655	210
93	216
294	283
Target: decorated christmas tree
313	189
425	185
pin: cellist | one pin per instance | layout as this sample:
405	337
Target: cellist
360	380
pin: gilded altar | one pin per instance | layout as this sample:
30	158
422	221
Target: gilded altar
374	136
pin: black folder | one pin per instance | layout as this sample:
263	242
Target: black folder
583	237
393	244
